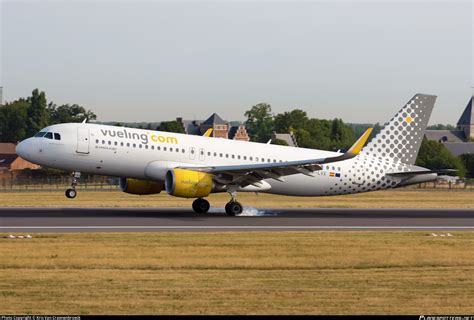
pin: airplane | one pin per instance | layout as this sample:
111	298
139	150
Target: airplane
188	166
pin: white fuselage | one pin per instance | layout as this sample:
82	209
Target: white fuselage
148	154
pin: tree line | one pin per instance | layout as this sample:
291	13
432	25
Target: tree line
24	117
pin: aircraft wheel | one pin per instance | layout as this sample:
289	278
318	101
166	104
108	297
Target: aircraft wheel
232	208
71	193
201	205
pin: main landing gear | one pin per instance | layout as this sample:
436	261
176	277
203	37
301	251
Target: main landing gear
201	205
232	208
71	193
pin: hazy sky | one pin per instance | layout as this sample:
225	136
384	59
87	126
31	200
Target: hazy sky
153	61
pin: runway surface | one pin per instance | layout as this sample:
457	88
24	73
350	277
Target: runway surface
153	219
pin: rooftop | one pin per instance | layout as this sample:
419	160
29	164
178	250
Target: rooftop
7	148
445	135
467	117
459	148
214	119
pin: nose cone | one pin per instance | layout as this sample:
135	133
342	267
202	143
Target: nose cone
23	149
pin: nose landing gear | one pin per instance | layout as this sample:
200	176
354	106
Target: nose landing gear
71	193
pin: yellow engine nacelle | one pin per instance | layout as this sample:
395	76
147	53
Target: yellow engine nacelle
188	183
141	187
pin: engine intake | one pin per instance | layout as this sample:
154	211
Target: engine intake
141	187
188	183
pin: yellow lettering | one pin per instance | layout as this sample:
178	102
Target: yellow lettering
172	140
163	139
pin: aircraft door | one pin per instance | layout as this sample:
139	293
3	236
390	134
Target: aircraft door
82	140
192	153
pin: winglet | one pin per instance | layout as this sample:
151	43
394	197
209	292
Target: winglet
207	133
359	144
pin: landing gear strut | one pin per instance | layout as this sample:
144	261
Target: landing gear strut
71	193
233	207
201	205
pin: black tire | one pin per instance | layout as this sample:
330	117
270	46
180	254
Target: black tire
233	208
71	193
201	206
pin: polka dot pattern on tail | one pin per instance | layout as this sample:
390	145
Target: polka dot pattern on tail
401	137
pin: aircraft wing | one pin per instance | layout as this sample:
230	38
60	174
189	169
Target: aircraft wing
251	174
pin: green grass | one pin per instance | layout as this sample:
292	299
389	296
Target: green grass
378	199
238	273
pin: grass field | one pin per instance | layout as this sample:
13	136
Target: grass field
379	199
238	273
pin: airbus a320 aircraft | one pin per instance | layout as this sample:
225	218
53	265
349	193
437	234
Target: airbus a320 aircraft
195	166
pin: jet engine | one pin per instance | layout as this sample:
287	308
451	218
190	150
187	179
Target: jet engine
188	183
141	187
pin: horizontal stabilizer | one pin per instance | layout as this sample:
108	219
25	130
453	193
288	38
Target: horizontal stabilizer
418	172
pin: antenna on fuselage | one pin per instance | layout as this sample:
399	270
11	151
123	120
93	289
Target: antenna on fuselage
85	120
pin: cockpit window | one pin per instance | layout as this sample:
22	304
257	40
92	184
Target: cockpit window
40	134
49	135
57	136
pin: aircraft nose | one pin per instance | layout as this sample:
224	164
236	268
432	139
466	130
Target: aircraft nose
23	149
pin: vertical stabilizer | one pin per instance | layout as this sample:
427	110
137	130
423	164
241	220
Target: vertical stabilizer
401	137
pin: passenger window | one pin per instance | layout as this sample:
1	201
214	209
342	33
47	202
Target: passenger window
158	148
177	149
251	158
109	142
115	143
128	144
57	136
227	155
245	157
40	134
121	144
152	147
97	141
233	156
182	150
49	135
208	153
134	145
146	146
164	148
